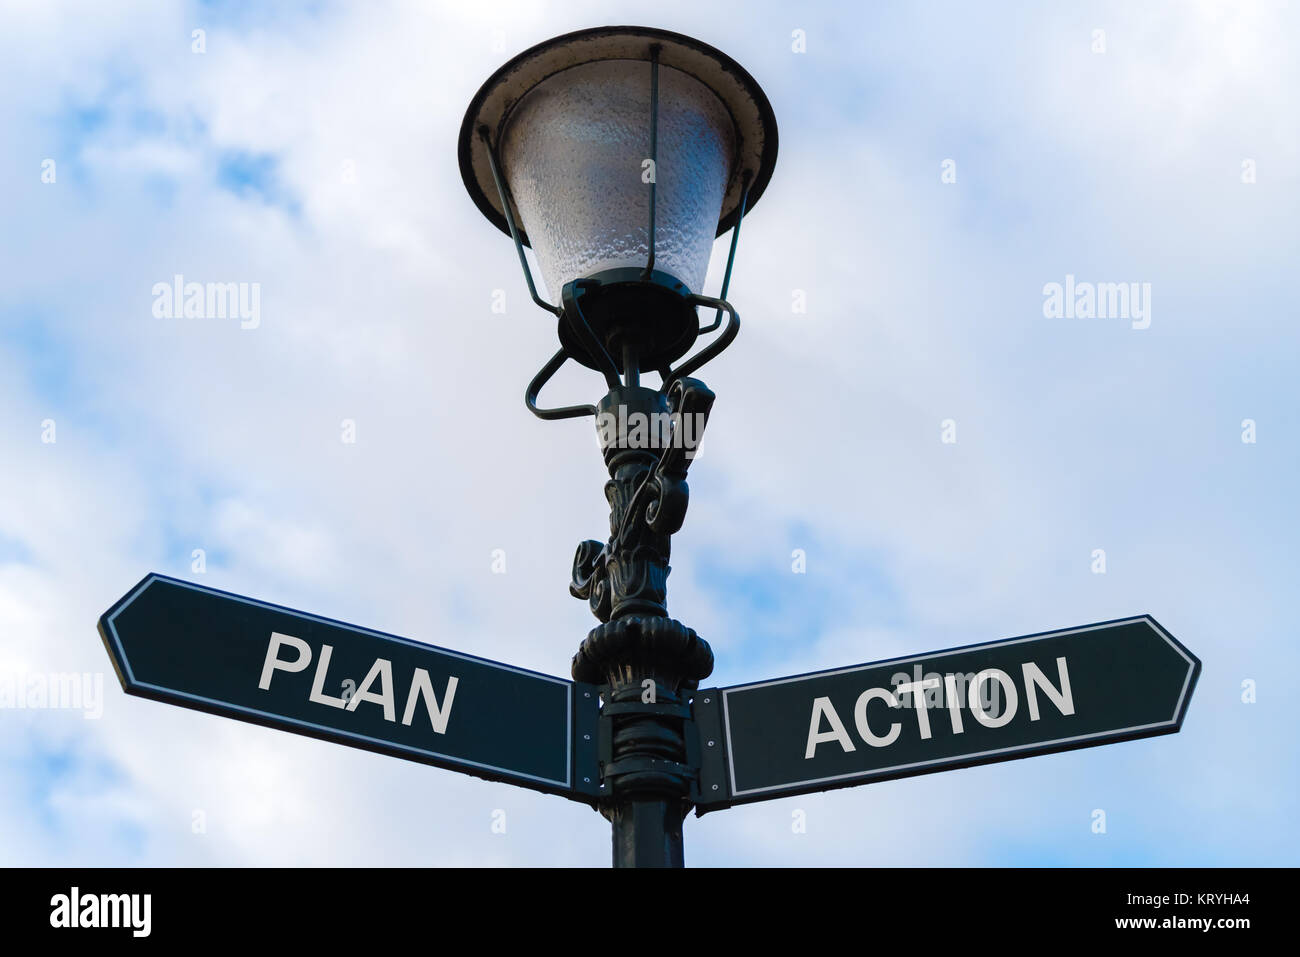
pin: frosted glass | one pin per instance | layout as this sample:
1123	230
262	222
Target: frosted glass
572	153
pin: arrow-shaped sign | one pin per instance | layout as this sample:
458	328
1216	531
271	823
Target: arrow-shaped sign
229	655
1055	691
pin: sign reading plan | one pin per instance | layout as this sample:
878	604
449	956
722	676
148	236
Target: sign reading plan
1007	699
234	656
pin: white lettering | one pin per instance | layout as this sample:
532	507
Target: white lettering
977	706
823	706
318	694
864	728
1034	678
274	663
421	686
383	670
917	690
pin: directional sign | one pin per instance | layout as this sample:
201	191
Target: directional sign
246	659
1048	692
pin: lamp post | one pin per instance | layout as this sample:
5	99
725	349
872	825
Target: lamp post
618	154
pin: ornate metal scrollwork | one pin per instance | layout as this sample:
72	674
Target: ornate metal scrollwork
624	581
648	496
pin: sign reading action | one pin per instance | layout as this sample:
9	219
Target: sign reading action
1054	691
246	659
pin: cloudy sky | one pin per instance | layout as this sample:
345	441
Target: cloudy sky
312	150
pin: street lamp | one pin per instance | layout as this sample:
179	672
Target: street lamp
623	152
618	154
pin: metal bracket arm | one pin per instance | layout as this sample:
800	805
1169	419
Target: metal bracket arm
711	351
535	387
673	774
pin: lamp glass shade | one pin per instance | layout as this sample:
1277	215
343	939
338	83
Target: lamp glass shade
574	152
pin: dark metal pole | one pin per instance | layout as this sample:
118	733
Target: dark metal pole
648	662
651	784
631	364
648	834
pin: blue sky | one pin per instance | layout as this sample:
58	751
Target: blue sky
312	150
